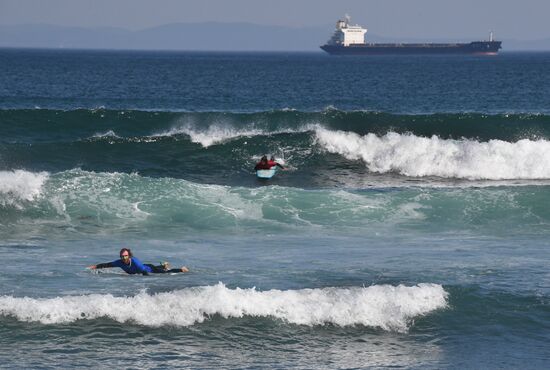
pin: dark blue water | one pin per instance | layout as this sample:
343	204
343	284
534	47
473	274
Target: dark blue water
509	83
410	227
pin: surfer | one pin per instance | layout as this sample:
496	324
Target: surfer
272	162
132	265
265	164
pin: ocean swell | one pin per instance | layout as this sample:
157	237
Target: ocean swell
119	202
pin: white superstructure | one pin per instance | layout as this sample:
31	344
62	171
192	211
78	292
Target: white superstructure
346	35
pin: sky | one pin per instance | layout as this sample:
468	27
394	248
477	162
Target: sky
513	19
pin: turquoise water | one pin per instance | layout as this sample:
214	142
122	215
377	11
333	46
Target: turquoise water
410	228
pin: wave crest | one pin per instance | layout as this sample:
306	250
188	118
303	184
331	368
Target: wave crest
20	185
214	134
383	306
411	155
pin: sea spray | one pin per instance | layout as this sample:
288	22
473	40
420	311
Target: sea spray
19	186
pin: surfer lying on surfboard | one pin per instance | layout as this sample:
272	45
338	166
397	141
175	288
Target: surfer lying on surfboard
132	265
264	164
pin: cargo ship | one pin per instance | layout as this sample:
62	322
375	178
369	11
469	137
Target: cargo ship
350	40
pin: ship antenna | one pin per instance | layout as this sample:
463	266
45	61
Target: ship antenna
491	36
348	19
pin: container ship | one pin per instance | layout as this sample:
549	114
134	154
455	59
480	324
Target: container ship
350	40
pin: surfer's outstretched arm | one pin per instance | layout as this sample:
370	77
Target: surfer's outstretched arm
101	266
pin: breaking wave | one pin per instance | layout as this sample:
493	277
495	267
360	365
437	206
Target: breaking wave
410	155
390	308
19	185
214	134
92	202
39	125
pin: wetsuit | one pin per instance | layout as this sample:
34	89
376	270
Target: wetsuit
137	267
262	166
273	163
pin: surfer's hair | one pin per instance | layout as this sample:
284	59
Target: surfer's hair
125	250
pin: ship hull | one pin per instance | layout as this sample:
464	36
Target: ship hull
475	47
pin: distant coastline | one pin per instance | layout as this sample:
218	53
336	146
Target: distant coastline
200	37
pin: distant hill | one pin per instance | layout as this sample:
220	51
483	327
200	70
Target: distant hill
208	36
176	36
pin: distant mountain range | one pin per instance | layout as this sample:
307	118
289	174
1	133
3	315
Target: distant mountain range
208	36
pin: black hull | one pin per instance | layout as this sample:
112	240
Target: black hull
476	47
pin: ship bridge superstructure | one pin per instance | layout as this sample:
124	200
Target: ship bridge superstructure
346	35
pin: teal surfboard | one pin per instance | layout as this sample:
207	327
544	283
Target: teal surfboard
266	174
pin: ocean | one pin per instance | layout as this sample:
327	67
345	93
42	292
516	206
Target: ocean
410	227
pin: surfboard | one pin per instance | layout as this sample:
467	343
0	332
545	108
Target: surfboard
266	174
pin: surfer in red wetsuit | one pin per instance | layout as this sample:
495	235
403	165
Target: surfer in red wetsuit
263	164
272	162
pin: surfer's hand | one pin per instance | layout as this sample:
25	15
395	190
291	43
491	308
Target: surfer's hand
92	267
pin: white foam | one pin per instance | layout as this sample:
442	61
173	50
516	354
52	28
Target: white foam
105	194
129	198
19	185
411	155
221	132
109	133
223	199
215	134
382	306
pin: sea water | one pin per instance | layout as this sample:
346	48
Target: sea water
410	227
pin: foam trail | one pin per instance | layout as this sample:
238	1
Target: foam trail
383	306
411	155
106	134
215	134
221	132
19	185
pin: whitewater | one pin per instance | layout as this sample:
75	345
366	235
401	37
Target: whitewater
387	307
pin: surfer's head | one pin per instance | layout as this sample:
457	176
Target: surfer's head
125	254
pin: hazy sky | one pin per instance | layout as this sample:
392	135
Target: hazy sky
513	19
